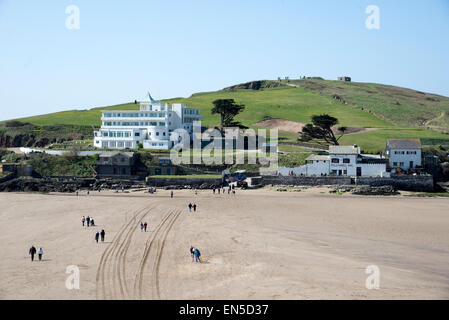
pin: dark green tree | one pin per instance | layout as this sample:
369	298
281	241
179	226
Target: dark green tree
321	129
227	109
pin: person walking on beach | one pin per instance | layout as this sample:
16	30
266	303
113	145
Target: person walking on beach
83	219
229	189
97	236
102	235
213	190
196	192
218	190
190	207
141	226
40	252
192	252
197	254
145	226
92	222
32	252
171	194
88	220
194	207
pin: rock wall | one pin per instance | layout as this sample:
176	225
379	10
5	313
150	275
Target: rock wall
408	183
301	181
184	183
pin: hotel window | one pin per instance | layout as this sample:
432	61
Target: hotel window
157	133
137	134
163	134
345	171
346	160
335	160
401	163
395	164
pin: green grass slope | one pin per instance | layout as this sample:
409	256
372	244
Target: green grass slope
393	111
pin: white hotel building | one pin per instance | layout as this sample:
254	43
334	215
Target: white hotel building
152	126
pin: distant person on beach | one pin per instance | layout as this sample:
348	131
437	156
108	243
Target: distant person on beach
92	222
229	190
171	194
192	252
213	190
32	252
196	191
197	254
77	193
194	207
218	190
141	226
97	236
88	220
102	235
88	192
83	219
190	207
40	252
145	226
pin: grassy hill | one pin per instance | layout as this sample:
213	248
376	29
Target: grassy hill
392	111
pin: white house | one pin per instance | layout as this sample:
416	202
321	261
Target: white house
152	125
404	153
341	161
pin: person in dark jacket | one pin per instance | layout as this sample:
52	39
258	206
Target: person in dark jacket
194	207
88	220
32	252
197	254
192	252
102	235
97	236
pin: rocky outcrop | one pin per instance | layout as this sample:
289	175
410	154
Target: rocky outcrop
255	85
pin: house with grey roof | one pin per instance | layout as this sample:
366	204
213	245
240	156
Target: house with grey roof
404	153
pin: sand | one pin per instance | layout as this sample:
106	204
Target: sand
258	244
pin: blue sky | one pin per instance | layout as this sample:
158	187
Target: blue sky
176	48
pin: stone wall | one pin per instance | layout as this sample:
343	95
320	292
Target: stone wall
408	183
199	183
301	181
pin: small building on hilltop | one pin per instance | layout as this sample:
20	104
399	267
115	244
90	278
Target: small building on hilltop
404	153
115	163
345	79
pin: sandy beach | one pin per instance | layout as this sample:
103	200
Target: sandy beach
258	244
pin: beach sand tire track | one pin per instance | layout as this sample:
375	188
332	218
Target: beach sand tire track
154	246
102	291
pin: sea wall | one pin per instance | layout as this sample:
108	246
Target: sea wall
409	183
190	183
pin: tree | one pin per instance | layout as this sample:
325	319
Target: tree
321	129
227	109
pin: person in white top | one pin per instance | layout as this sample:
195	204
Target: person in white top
40	252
